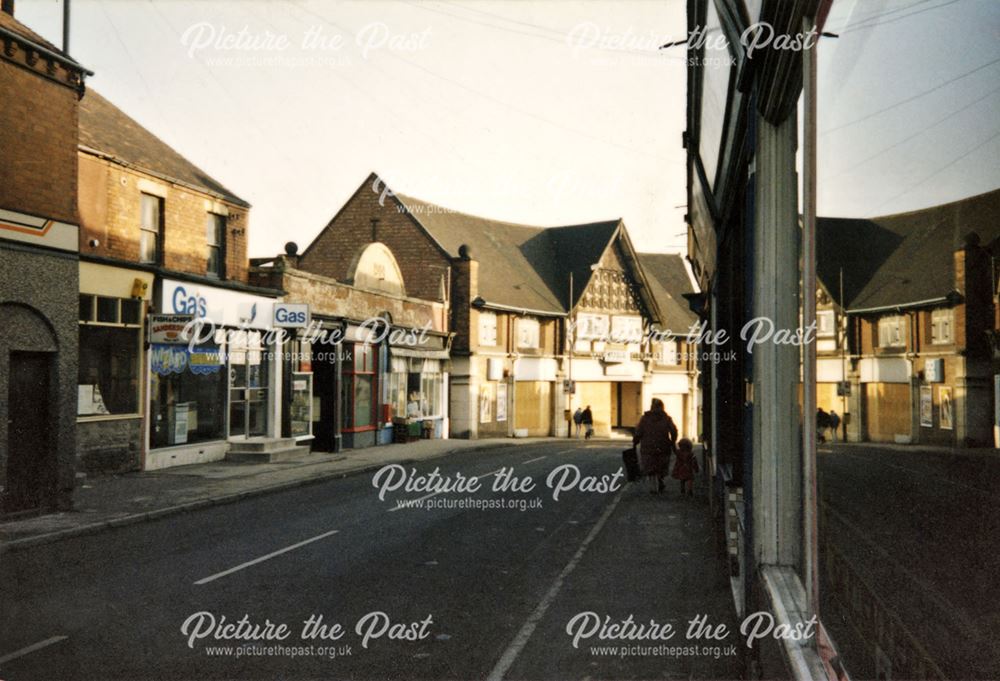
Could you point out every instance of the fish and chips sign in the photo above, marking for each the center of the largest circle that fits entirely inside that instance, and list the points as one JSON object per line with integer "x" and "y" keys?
{"x": 168, "y": 329}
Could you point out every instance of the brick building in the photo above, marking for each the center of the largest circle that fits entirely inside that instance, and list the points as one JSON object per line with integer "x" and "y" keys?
{"x": 370, "y": 368}
{"x": 161, "y": 243}
{"x": 516, "y": 324}
{"x": 920, "y": 316}
{"x": 41, "y": 88}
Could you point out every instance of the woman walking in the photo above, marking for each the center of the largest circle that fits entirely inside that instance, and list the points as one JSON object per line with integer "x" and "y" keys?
{"x": 655, "y": 435}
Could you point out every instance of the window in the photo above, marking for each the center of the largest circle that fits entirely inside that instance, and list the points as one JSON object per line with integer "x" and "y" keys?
{"x": 669, "y": 352}
{"x": 188, "y": 393}
{"x": 108, "y": 366}
{"x": 891, "y": 332}
{"x": 825, "y": 324}
{"x": 487, "y": 328}
{"x": 151, "y": 229}
{"x": 942, "y": 322}
{"x": 527, "y": 333}
{"x": 358, "y": 388}
{"x": 215, "y": 240}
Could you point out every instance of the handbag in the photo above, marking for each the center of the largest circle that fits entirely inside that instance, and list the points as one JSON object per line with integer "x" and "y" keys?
{"x": 631, "y": 459}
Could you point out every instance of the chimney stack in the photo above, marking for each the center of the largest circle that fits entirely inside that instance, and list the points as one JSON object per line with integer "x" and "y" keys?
{"x": 7, "y": 6}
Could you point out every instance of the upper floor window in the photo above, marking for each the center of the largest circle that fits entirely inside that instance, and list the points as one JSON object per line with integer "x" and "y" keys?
{"x": 151, "y": 229}
{"x": 487, "y": 328}
{"x": 527, "y": 333}
{"x": 825, "y": 324}
{"x": 215, "y": 239}
{"x": 892, "y": 332}
{"x": 942, "y": 323}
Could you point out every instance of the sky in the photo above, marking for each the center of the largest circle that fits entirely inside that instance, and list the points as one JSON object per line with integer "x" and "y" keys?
{"x": 543, "y": 113}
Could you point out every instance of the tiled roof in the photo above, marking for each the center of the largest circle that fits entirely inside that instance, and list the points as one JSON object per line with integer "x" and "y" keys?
{"x": 519, "y": 265}
{"x": 904, "y": 258}
{"x": 107, "y": 129}
{"x": 668, "y": 278}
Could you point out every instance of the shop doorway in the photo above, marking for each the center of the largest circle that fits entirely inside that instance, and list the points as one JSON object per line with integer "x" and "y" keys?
{"x": 626, "y": 404}
{"x": 248, "y": 388}
{"x": 30, "y": 459}
{"x": 325, "y": 382}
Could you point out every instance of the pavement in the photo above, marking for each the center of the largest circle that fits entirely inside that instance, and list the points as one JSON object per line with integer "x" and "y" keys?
{"x": 510, "y": 581}
{"x": 102, "y": 502}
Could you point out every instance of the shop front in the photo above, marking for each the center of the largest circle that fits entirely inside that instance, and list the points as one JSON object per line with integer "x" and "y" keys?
{"x": 110, "y": 385}
{"x": 417, "y": 387}
{"x": 217, "y": 387}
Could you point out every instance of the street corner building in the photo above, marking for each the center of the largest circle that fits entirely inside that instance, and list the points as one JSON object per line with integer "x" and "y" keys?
{"x": 41, "y": 88}
{"x": 534, "y": 322}
{"x": 907, "y": 334}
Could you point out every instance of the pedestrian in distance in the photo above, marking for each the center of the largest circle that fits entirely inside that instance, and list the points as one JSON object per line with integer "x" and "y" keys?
{"x": 587, "y": 419}
{"x": 578, "y": 420}
{"x": 685, "y": 466}
{"x": 656, "y": 436}
{"x": 834, "y": 425}
{"x": 822, "y": 423}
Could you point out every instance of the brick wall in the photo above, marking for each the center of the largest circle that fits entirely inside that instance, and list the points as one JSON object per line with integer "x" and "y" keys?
{"x": 112, "y": 446}
{"x": 339, "y": 244}
{"x": 38, "y": 135}
{"x": 110, "y": 205}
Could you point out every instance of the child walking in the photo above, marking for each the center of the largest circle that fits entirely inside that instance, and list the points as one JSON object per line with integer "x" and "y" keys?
{"x": 686, "y": 466}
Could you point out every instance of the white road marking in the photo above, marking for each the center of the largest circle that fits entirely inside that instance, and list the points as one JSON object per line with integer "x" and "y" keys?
{"x": 509, "y": 656}
{"x": 537, "y": 458}
{"x": 269, "y": 556}
{"x": 410, "y": 502}
{"x": 32, "y": 648}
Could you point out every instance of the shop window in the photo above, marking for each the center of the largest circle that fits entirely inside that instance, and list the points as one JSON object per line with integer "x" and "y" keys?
{"x": 215, "y": 239}
{"x": 188, "y": 393}
{"x": 109, "y": 355}
{"x": 527, "y": 333}
{"x": 358, "y": 388}
{"x": 892, "y": 332}
{"x": 487, "y": 328}
{"x": 942, "y": 322}
{"x": 151, "y": 229}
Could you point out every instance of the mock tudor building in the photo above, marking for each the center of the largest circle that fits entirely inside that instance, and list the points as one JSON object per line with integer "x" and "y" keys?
{"x": 919, "y": 290}
{"x": 39, "y": 224}
{"x": 543, "y": 320}
{"x": 162, "y": 243}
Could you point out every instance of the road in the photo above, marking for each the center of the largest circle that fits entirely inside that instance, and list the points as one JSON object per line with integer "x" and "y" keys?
{"x": 910, "y": 541}
{"x": 481, "y": 592}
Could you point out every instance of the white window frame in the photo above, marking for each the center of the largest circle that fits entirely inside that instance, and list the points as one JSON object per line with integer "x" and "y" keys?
{"x": 528, "y": 333}
{"x": 826, "y": 323}
{"x": 892, "y": 332}
{"x": 943, "y": 326}
{"x": 488, "y": 328}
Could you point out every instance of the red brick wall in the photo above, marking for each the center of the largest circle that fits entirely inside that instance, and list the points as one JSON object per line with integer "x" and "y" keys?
{"x": 338, "y": 245}
{"x": 38, "y": 136}
{"x": 110, "y": 206}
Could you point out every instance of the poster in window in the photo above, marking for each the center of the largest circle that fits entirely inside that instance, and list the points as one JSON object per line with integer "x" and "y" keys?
{"x": 926, "y": 407}
{"x": 486, "y": 403}
{"x": 501, "y": 402}
{"x": 945, "y": 409}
